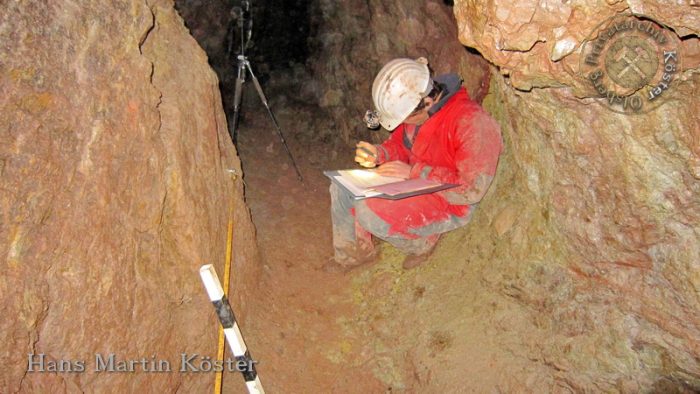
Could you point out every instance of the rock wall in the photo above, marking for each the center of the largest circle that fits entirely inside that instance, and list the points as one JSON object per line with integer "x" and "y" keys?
{"x": 599, "y": 206}
{"x": 115, "y": 188}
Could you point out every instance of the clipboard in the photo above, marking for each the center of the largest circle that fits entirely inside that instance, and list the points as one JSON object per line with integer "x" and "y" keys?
{"x": 395, "y": 189}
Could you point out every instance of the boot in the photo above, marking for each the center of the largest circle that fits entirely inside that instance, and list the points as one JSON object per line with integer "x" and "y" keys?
{"x": 350, "y": 263}
{"x": 415, "y": 260}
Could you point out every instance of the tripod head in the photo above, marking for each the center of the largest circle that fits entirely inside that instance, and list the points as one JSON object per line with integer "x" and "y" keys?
{"x": 244, "y": 23}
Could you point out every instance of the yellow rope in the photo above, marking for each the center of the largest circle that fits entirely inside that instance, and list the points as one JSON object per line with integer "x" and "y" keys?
{"x": 227, "y": 276}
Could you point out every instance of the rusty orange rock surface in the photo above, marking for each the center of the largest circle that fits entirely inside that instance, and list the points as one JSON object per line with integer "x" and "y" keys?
{"x": 616, "y": 190}
{"x": 115, "y": 188}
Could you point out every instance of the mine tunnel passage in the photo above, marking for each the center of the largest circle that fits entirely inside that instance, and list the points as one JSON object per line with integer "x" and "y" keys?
{"x": 578, "y": 271}
{"x": 298, "y": 304}
{"x": 299, "y": 50}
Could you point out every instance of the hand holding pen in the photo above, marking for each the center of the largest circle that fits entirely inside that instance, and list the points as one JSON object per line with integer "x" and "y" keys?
{"x": 366, "y": 154}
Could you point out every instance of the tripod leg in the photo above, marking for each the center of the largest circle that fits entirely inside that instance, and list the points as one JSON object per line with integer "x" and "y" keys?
{"x": 237, "y": 96}
{"x": 274, "y": 119}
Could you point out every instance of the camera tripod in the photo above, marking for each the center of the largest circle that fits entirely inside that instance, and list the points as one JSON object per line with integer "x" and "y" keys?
{"x": 243, "y": 65}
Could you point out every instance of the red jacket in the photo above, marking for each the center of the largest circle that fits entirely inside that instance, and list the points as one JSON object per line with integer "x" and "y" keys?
{"x": 460, "y": 144}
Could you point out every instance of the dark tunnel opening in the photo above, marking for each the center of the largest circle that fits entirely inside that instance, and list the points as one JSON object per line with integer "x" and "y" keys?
{"x": 320, "y": 58}
{"x": 274, "y": 37}
{"x": 279, "y": 31}
{"x": 280, "y": 35}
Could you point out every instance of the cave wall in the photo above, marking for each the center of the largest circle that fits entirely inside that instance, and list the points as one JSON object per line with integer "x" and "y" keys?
{"x": 611, "y": 197}
{"x": 115, "y": 187}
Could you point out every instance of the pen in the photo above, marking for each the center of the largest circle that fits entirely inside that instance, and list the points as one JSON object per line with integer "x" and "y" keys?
{"x": 368, "y": 152}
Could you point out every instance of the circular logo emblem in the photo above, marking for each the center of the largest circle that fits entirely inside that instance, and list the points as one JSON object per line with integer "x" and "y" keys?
{"x": 629, "y": 63}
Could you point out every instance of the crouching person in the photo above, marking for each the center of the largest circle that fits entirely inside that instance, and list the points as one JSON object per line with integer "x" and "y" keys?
{"x": 439, "y": 134}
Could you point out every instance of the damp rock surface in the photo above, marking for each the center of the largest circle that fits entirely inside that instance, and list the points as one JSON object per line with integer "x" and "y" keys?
{"x": 116, "y": 186}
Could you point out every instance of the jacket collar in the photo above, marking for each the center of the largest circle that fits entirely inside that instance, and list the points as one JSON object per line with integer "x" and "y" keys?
{"x": 452, "y": 83}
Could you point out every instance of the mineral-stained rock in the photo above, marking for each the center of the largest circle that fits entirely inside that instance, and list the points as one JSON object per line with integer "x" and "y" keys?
{"x": 114, "y": 189}
{"x": 618, "y": 192}
{"x": 535, "y": 43}
{"x": 579, "y": 271}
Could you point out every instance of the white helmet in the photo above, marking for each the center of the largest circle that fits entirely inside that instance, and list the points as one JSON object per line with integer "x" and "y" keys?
{"x": 398, "y": 89}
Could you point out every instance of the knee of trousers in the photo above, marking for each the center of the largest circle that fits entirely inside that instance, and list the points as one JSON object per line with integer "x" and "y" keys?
{"x": 370, "y": 221}
{"x": 340, "y": 198}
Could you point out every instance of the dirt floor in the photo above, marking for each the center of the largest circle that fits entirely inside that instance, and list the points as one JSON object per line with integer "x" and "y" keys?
{"x": 441, "y": 328}
{"x": 299, "y": 338}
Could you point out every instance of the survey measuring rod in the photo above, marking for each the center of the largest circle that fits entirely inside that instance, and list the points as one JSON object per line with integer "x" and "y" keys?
{"x": 231, "y": 330}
